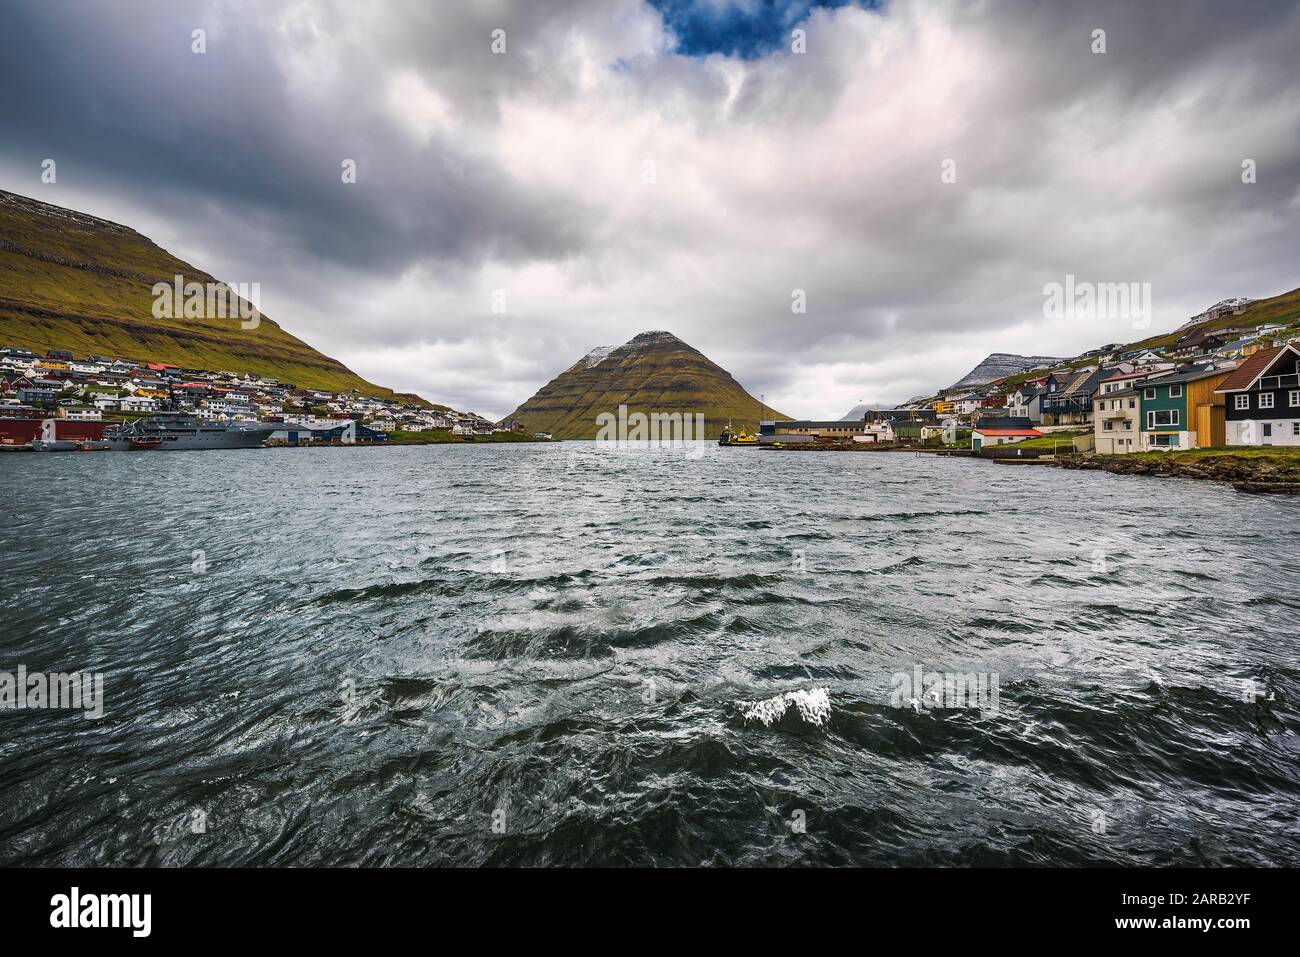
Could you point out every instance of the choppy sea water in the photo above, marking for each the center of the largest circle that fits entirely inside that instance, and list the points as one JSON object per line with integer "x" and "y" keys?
{"x": 558, "y": 654}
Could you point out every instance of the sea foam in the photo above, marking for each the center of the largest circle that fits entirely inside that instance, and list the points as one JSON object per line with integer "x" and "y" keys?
{"x": 813, "y": 705}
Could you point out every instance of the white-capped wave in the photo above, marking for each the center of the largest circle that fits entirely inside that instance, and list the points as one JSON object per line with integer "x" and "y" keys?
{"x": 813, "y": 705}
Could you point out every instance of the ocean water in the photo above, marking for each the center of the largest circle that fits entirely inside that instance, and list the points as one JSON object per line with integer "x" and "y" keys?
{"x": 561, "y": 654}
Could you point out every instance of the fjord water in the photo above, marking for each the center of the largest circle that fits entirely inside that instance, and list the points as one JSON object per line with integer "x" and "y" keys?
{"x": 392, "y": 650}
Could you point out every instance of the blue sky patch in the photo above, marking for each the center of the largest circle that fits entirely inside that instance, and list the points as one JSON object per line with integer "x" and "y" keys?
{"x": 744, "y": 28}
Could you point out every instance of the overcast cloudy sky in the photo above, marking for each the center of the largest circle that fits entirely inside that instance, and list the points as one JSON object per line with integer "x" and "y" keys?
{"x": 769, "y": 171}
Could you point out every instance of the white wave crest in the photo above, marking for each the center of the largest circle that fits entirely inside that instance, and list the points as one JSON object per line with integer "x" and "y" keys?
{"x": 814, "y": 706}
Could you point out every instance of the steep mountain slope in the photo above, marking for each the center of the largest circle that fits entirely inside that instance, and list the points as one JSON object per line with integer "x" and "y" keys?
{"x": 999, "y": 365}
{"x": 654, "y": 372}
{"x": 77, "y": 282}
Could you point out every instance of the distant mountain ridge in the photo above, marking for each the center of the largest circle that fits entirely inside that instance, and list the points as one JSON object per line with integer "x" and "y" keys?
{"x": 999, "y": 365}
{"x": 69, "y": 280}
{"x": 858, "y": 411}
{"x": 652, "y": 372}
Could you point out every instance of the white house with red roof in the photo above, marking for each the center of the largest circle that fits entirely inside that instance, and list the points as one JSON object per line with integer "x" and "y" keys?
{"x": 985, "y": 437}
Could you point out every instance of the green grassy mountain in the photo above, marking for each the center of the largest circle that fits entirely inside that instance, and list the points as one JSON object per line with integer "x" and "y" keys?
{"x": 654, "y": 372}
{"x": 76, "y": 282}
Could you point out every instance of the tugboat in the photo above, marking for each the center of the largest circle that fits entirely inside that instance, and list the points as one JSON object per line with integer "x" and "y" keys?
{"x": 731, "y": 436}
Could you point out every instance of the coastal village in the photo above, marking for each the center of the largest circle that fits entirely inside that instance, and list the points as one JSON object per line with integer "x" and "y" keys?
{"x": 1219, "y": 382}
{"x": 1214, "y": 386}
{"x": 84, "y": 398}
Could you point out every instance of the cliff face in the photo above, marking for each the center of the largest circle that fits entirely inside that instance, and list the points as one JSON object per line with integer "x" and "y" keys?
{"x": 654, "y": 372}
{"x": 73, "y": 281}
{"x": 1001, "y": 364}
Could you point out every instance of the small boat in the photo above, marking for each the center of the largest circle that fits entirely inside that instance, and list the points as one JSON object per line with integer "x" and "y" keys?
{"x": 731, "y": 436}
{"x": 145, "y": 444}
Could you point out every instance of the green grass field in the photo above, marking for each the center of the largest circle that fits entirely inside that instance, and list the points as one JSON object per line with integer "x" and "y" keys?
{"x": 1282, "y": 455}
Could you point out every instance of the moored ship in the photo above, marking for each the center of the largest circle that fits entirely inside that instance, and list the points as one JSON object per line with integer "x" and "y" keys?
{"x": 731, "y": 436}
{"x": 180, "y": 432}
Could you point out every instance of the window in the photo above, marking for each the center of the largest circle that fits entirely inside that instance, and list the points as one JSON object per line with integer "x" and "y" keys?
{"x": 1266, "y": 400}
{"x": 1295, "y": 398}
{"x": 1175, "y": 391}
{"x": 1295, "y": 428}
{"x": 1162, "y": 417}
{"x": 1108, "y": 425}
{"x": 1132, "y": 403}
{"x": 1128, "y": 426}
{"x": 1242, "y": 401}
{"x": 1150, "y": 394}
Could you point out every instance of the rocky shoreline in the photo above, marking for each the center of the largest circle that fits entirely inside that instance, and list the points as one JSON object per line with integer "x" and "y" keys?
{"x": 1246, "y": 473}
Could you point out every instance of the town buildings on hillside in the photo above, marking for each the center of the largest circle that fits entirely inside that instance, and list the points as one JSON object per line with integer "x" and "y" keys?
{"x": 61, "y": 385}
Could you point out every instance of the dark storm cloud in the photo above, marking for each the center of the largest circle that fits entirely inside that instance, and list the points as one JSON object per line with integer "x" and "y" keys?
{"x": 526, "y": 172}
{"x": 115, "y": 93}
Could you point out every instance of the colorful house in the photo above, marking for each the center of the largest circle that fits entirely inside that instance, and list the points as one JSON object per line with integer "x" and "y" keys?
{"x": 1263, "y": 398}
{"x": 1183, "y": 411}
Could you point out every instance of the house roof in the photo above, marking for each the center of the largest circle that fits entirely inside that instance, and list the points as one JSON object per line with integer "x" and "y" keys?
{"x": 1120, "y": 393}
{"x": 1013, "y": 422}
{"x": 1192, "y": 376}
{"x": 1007, "y": 431}
{"x": 1255, "y": 366}
{"x": 1125, "y": 375}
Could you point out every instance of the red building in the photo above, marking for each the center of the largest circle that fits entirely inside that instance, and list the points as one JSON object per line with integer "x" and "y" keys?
{"x": 25, "y": 431}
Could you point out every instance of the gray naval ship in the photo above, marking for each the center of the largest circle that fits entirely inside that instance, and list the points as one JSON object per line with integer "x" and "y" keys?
{"x": 181, "y": 432}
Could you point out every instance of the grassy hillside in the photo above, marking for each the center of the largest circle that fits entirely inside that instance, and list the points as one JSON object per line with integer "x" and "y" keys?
{"x": 72, "y": 281}
{"x": 1284, "y": 309}
{"x": 654, "y": 372}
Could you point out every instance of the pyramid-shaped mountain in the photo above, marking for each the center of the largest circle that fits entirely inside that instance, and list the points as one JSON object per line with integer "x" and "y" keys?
{"x": 654, "y": 372}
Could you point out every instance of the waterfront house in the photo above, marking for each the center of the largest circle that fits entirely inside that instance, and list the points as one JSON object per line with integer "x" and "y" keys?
{"x": 983, "y": 436}
{"x": 1183, "y": 411}
{"x": 1262, "y": 398}
{"x": 347, "y": 432}
{"x": 839, "y": 429}
{"x": 1117, "y": 417}
{"x": 1069, "y": 399}
{"x": 879, "y": 431}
